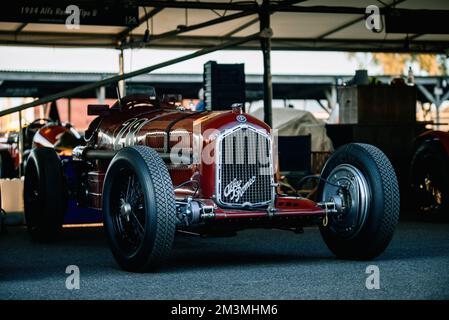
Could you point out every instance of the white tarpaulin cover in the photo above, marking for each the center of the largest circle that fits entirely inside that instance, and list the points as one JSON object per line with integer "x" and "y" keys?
{"x": 292, "y": 122}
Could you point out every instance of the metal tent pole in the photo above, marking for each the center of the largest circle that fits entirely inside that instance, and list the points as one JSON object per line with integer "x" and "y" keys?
{"x": 20, "y": 144}
{"x": 69, "y": 110}
{"x": 265, "y": 43}
{"x": 121, "y": 65}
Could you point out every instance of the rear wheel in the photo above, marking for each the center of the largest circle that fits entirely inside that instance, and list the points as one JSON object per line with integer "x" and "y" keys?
{"x": 362, "y": 178}
{"x": 45, "y": 196}
{"x": 429, "y": 180}
{"x": 139, "y": 209}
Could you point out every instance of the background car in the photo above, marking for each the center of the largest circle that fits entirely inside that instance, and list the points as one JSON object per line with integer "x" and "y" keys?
{"x": 48, "y": 132}
{"x": 429, "y": 176}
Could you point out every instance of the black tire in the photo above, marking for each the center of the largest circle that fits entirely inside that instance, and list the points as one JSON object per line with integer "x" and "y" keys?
{"x": 429, "y": 182}
{"x": 139, "y": 209}
{"x": 6, "y": 165}
{"x": 366, "y": 227}
{"x": 2, "y": 215}
{"x": 45, "y": 195}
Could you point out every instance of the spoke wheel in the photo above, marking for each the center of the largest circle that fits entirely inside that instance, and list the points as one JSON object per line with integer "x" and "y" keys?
{"x": 429, "y": 191}
{"x": 139, "y": 209}
{"x": 128, "y": 211}
{"x": 429, "y": 176}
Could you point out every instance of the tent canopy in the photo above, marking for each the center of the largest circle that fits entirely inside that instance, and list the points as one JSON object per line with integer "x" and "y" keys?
{"x": 297, "y": 25}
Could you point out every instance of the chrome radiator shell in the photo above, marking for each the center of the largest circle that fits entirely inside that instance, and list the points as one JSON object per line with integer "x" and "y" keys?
{"x": 244, "y": 174}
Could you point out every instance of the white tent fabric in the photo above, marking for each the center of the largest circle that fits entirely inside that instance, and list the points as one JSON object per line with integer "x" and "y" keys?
{"x": 292, "y": 122}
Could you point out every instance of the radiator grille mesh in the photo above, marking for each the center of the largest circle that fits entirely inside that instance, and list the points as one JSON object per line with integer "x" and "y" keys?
{"x": 244, "y": 168}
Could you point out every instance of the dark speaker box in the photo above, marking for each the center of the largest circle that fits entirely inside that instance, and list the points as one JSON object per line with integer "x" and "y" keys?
{"x": 224, "y": 85}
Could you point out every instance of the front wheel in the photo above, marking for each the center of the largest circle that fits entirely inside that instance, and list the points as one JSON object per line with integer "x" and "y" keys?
{"x": 363, "y": 180}
{"x": 139, "y": 209}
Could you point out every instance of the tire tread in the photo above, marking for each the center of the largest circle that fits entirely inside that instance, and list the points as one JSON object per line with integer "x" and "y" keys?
{"x": 165, "y": 203}
{"x": 391, "y": 193}
{"x": 375, "y": 236}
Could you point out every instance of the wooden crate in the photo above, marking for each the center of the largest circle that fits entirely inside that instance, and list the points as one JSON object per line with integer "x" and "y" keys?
{"x": 396, "y": 141}
{"x": 379, "y": 104}
{"x": 319, "y": 160}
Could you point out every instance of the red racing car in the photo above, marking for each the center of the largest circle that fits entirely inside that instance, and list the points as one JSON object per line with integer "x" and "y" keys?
{"x": 153, "y": 168}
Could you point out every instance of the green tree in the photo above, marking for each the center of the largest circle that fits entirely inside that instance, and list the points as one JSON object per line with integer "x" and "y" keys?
{"x": 397, "y": 63}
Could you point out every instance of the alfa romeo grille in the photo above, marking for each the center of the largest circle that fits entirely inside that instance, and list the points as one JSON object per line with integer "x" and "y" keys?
{"x": 244, "y": 168}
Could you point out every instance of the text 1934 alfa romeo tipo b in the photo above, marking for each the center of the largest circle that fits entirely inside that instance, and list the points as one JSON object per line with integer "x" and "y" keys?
{"x": 152, "y": 168}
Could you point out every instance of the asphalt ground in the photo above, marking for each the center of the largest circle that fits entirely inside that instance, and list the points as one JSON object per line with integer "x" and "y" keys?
{"x": 256, "y": 264}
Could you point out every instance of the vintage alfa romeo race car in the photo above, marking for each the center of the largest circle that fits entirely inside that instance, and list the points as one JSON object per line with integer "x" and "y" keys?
{"x": 153, "y": 168}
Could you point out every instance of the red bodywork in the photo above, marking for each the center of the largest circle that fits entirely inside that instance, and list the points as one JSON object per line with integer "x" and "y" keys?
{"x": 442, "y": 137}
{"x": 149, "y": 125}
{"x": 51, "y": 135}
{"x": 47, "y": 136}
